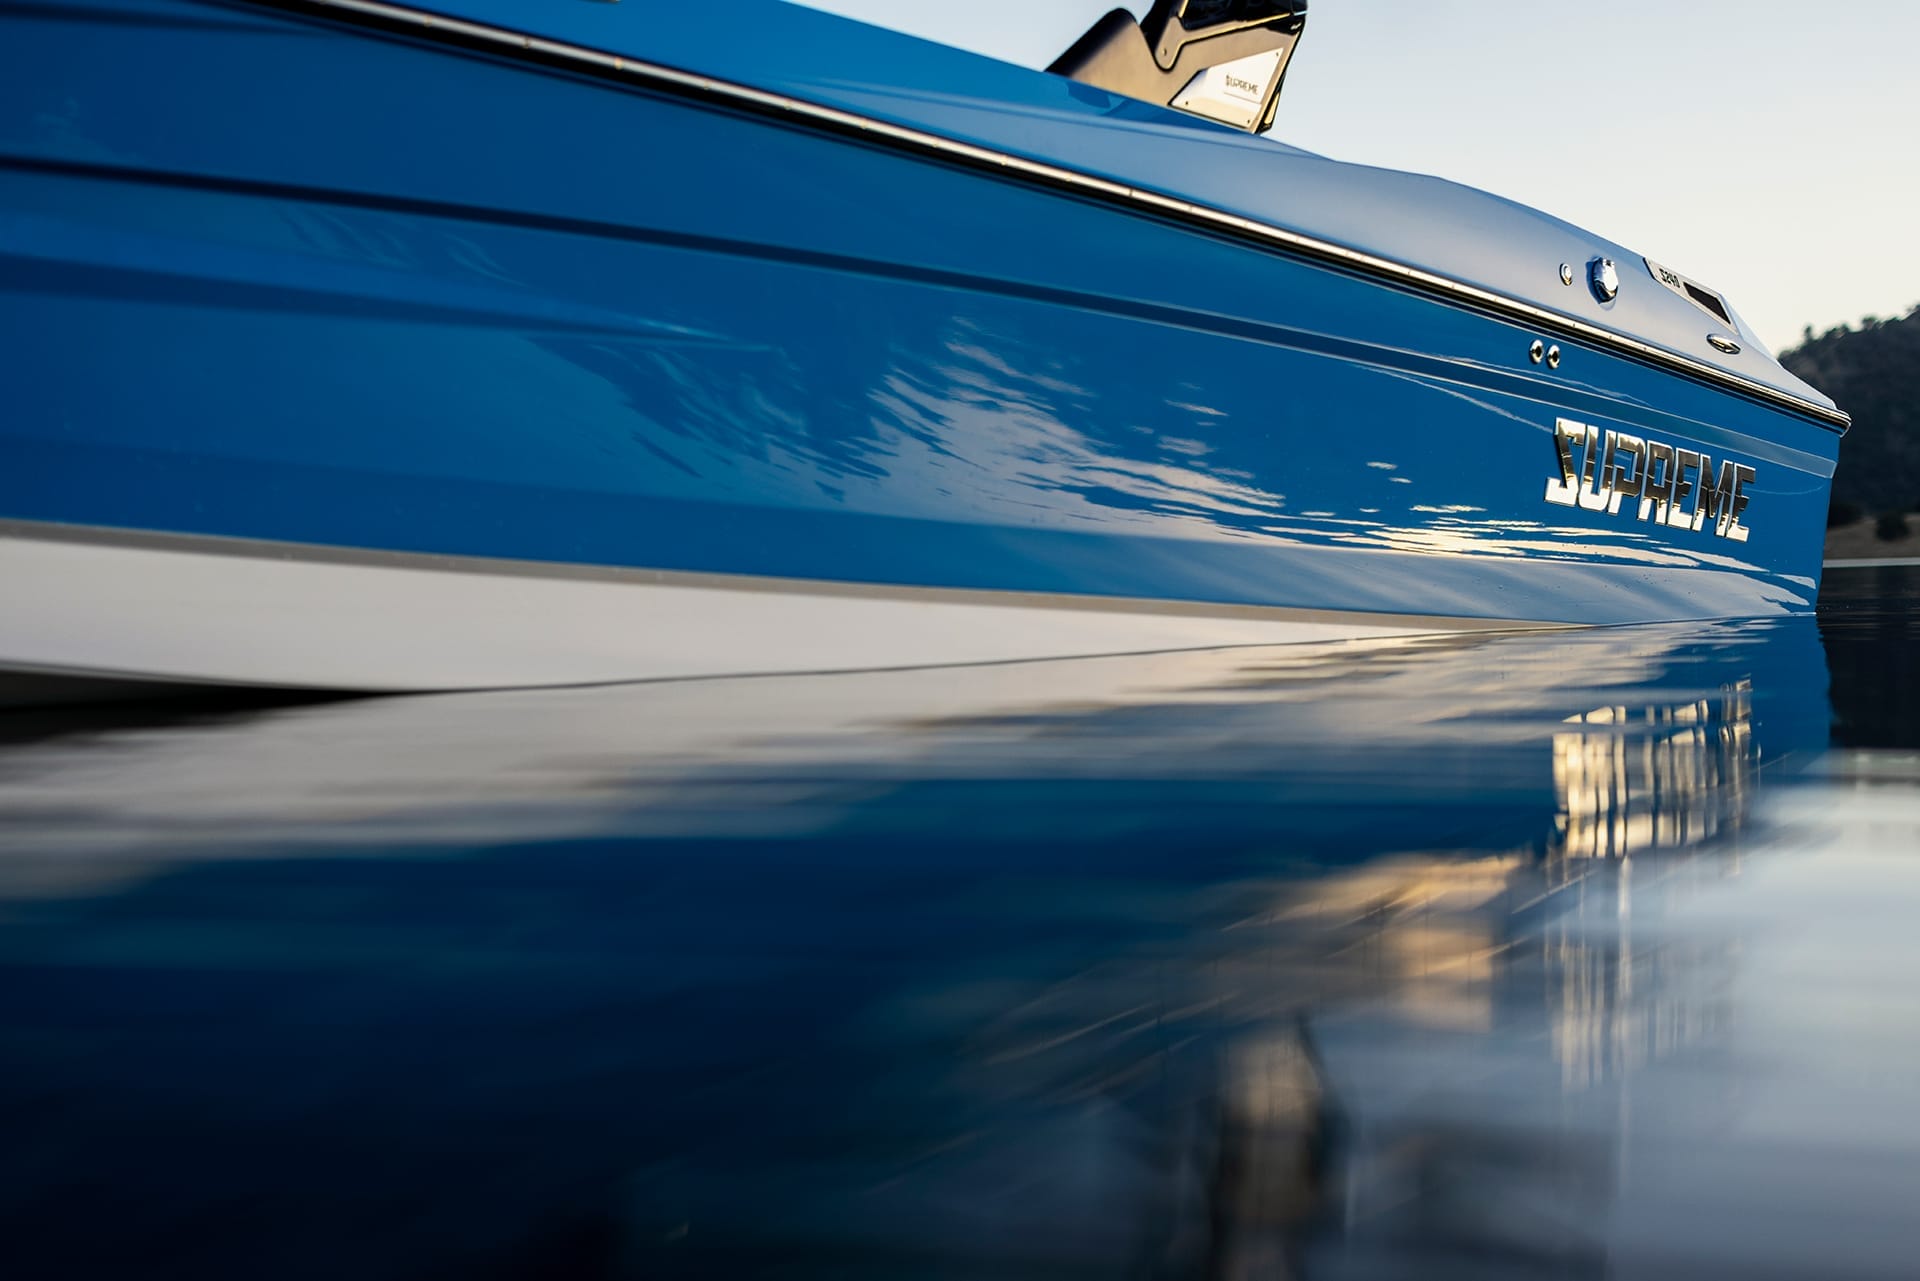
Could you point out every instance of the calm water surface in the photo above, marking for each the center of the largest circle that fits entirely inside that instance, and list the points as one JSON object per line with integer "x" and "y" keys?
{"x": 1578, "y": 954}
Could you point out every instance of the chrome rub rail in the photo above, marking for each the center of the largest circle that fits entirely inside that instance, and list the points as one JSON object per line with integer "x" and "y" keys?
{"x": 1059, "y": 175}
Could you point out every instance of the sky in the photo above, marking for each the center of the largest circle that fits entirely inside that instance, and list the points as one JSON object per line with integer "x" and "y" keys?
{"x": 1766, "y": 148}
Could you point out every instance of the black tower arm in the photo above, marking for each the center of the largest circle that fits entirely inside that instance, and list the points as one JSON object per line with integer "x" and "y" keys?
{"x": 1165, "y": 58}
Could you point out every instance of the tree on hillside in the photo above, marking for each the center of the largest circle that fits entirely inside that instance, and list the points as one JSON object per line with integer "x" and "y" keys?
{"x": 1873, "y": 373}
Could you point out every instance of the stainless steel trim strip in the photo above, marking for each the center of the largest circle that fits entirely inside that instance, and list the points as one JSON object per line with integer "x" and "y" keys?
{"x": 1159, "y": 202}
{"x": 374, "y": 558}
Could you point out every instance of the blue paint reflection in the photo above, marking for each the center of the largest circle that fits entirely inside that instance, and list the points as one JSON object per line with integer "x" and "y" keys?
{"x": 789, "y": 415}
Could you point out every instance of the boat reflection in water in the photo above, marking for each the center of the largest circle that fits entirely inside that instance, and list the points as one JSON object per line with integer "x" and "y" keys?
{"x": 1678, "y": 783}
{"x": 1438, "y": 957}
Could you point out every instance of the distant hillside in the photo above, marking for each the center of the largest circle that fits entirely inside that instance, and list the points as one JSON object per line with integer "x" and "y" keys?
{"x": 1873, "y": 373}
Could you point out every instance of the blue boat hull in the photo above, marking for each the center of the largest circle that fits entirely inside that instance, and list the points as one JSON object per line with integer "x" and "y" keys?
{"x": 281, "y": 288}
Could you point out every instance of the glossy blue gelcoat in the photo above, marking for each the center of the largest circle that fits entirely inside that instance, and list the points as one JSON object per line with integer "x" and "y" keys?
{"x": 268, "y": 275}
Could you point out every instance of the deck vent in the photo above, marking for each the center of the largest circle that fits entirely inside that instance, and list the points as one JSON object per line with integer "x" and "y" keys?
{"x": 1710, "y": 301}
{"x": 1694, "y": 292}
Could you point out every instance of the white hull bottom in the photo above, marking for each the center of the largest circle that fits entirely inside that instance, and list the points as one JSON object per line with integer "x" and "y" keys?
{"x": 91, "y": 611}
